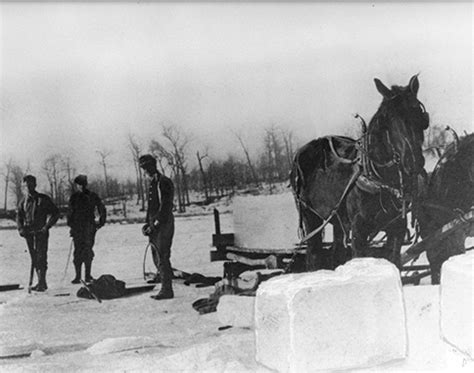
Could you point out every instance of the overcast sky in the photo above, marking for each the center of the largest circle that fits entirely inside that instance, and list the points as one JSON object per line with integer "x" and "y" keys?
{"x": 76, "y": 78}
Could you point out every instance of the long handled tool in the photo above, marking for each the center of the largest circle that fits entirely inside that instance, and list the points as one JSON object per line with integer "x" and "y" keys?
{"x": 33, "y": 264}
{"x": 67, "y": 263}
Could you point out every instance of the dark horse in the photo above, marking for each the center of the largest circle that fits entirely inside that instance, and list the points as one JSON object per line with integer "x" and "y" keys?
{"x": 449, "y": 193}
{"x": 365, "y": 186}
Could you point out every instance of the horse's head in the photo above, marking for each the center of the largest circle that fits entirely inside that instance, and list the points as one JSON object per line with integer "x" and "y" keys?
{"x": 399, "y": 124}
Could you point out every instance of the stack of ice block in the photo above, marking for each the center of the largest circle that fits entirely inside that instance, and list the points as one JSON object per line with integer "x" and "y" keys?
{"x": 347, "y": 318}
{"x": 265, "y": 222}
{"x": 457, "y": 297}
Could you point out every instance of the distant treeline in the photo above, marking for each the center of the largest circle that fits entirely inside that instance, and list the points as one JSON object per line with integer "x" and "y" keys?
{"x": 210, "y": 178}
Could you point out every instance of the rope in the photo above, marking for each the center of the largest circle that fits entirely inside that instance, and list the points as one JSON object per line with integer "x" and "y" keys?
{"x": 144, "y": 260}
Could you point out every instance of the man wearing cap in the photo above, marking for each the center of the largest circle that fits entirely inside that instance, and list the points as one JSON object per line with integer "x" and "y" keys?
{"x": 159, "y": 225}
{"x": 33, "y": 224}
{"x": 81, "y": 218}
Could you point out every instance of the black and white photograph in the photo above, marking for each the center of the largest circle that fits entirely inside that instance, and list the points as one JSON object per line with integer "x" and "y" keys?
{"x": 236, "y": 186}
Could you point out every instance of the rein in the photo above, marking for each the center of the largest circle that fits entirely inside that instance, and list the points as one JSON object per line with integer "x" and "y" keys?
{"x": 326, "y": 221}
{"x": 372, "y": 179}
{"x": 365, "y": 176}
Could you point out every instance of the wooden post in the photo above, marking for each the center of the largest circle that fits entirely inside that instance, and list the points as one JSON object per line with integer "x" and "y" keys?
{"x": 217, "y": 222}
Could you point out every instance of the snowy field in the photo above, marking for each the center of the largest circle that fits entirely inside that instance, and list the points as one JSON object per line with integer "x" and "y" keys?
{"x": 66, "y": 333}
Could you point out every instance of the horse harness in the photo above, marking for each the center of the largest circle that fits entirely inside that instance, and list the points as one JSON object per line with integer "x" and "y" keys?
{"x": 365, "y": 177}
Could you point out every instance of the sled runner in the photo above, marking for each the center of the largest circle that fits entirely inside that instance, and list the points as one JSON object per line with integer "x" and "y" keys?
{"x": 240, "y": 259}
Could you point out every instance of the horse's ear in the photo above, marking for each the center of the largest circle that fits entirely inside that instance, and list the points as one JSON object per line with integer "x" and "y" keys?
{"x": 383, "y": 90}
{"x": 414, "y": 84}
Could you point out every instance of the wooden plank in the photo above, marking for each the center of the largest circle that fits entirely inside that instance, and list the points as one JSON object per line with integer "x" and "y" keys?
{"x": 420, "y": 267}
{"x": 415, "y": 279}
{"x": 138, "y": 289}
{"x": 454, "y": 225}
{"x": 9, "y": 287}
{"x": 268, "y": 251}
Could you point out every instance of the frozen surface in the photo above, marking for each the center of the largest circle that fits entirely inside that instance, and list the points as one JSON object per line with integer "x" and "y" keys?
{"x": 268, "y": 221}
{"x": 51, "y": 333}
{"x": 235, "y": 310}
{"x": 457, "y": 297}
{"x": 341, "y": 319}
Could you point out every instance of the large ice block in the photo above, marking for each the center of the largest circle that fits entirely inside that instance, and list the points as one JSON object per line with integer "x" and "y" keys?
{"x": 265, "y": 222}
{"x": 456, "y": 302}
{"x": 236, "y": 310}
{"x": 347, "y": 318}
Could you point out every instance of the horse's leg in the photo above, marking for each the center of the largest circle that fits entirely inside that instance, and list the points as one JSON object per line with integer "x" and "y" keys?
{"x": 395, "y": 236}
{"x": 341, "y": 253}
{"x": 361, "y": 229}
{"x": 316, "y": 256}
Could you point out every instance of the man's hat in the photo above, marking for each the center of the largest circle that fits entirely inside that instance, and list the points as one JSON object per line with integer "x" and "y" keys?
{"x": 29, "y": 179}
{"x": 146, "y": 160}
{"x": 81, "y": 180}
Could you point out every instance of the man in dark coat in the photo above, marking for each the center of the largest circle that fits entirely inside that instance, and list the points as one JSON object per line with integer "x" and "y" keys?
{"x": 159, "y": 225}
{"x": 81, "y": 218}
{"x": 33, "y": 224}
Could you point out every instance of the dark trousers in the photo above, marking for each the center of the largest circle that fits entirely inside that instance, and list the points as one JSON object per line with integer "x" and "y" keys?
{"x": 38, "y": 248}
{"x": 161, "y": 241}
{"x": 84, "y": 239}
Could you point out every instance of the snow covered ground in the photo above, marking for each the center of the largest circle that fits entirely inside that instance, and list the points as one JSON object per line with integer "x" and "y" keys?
{"x": 56, "y": 331}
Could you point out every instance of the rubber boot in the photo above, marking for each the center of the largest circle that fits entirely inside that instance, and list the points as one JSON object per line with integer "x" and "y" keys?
{"x": 166, "y": 291}
{"x": 163, "y": 294}
{"x": 77, "y": 279}
{"x": 88, "y": 266}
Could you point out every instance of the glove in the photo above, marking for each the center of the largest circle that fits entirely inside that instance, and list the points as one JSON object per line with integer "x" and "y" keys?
{"x": 22, "y": 232}
{"x": 44, "y": 229}
{"x": 98, "y": 226}
{"x": 146, "y": 229}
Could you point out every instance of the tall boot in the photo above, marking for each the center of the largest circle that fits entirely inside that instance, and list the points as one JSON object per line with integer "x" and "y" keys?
{"x": 88, "y": 265}
{"x": 77, "y": 279}
{"x": 166, "y": 291}
{"x": 42, "y": 286}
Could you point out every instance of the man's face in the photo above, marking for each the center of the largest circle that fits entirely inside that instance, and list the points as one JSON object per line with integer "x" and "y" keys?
{"x": 80, "y": 187}
{"x": 28, "y": 187}
{"x": 149, "y": 171}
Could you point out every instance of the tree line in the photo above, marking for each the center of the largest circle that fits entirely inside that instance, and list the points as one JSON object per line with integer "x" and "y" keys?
{"x": 210, "y": 177}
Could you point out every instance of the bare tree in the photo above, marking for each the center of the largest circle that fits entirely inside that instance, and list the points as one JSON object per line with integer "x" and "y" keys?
{"x": 203, "y": 174}
{"x": 247, "y": 156}
{"x": 6, "y": 176}
{"x": 70, "y": 171}
{"x": 104, "y": 154}
{"x": 52, "y": 166}
{"x": 174, "y": 154}
{"x": 16, "y": 179}
{"x": 287, "y": 136}
{"x": 135, "y": 148}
